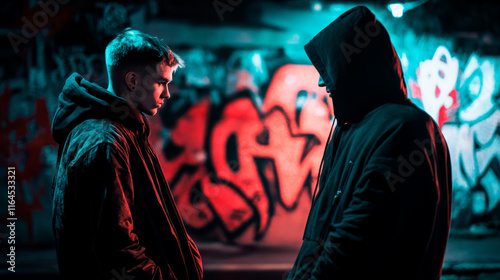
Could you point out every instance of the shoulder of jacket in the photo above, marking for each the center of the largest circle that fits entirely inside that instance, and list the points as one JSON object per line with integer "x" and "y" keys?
{"x": 93, "y": 132}
{"x": 398, "y": 115}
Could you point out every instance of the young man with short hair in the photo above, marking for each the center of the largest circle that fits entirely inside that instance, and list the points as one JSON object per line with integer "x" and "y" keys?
{"x": 114, "y": 216}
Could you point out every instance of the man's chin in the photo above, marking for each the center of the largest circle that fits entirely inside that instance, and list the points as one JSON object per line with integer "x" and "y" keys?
{"x": 150, "y": 112}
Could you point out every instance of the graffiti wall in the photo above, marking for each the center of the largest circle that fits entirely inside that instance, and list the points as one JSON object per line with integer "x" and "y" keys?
{"x": 27, "y": 146}
{"x": 265, "y": 155}
{"x": 241, "y": 140}
{"x": 463, "y": 97}
{"x": 48, "y": 43}
{"x": 474, "y": 141}
{"x": 234, "y": 166}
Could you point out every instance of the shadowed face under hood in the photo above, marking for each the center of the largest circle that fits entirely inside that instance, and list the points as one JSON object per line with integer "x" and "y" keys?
{"x": 81, "y": 100}
{"x": 355, "y": 57}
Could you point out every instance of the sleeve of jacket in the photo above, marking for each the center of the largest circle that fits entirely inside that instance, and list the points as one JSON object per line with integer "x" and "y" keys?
{"x": 117, "y": 248}
{"x": 385, "y": 194}
{"x": 196, "y": 255}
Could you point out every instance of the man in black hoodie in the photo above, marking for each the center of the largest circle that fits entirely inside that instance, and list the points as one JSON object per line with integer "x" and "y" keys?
{"x": 114, "y": 216}
{"x": 382, "y": 208}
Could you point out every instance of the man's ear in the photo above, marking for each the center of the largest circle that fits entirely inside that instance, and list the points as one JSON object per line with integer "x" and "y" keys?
{"x": 131, "y": 81}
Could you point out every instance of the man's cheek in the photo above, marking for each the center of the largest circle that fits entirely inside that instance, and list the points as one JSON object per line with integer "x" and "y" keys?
{"x": 158, "y": 92}
{"x": 149, "y": 83}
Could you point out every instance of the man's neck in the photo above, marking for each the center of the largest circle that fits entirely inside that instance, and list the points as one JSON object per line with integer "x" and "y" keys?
{"x": 120, "y": 93}
{"x": 111, "y": 89}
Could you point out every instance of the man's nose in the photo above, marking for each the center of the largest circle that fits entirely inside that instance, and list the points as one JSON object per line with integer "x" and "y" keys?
{"x": 166, "y": 93}
{"x": 321, "y": 82}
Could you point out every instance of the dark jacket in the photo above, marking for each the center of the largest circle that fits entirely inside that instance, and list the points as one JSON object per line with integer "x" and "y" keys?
{"x": 382, "y": 210}
{"x": 114, "y": 216}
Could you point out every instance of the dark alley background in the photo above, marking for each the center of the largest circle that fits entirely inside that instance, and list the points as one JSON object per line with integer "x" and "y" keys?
{"x": 248, "y": 81}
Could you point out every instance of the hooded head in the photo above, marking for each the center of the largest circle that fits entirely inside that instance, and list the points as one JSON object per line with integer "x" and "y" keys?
{"x": 358, "y": 64}
{"x": 81, "y": 100}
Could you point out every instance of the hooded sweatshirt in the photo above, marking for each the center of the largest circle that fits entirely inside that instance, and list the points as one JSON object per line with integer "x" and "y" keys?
{"x": 113, "y": 213}
{"x": 382, "y": 209}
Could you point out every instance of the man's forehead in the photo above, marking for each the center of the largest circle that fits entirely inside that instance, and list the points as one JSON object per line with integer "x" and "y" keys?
{"x": 160, "y": 71}
{"x": 164, "y": 71}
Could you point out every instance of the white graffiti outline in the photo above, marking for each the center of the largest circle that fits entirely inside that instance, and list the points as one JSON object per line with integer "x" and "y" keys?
{"x": 440, "y": 71}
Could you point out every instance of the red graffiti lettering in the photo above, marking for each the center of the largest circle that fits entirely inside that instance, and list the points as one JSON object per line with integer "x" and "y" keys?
{"x": 233, "y": 164}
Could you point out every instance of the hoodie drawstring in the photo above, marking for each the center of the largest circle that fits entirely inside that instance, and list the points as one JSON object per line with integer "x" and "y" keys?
{"x": 322, "y": 161}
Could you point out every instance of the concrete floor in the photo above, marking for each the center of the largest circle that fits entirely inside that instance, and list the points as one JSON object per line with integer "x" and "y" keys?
{"x": 466, "y": 259}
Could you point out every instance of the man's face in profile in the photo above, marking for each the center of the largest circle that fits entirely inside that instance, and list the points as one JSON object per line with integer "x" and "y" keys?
{"x": 154, "y": 83}
{"x": 321, "y": 83}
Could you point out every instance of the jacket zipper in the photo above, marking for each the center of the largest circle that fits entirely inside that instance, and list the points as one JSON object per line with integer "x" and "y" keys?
{"x": 335, "y": 200}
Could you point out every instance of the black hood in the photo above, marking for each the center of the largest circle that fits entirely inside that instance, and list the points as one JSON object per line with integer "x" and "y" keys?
{"x": 81, "y": 100}
{"x": 355, "y": 57}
